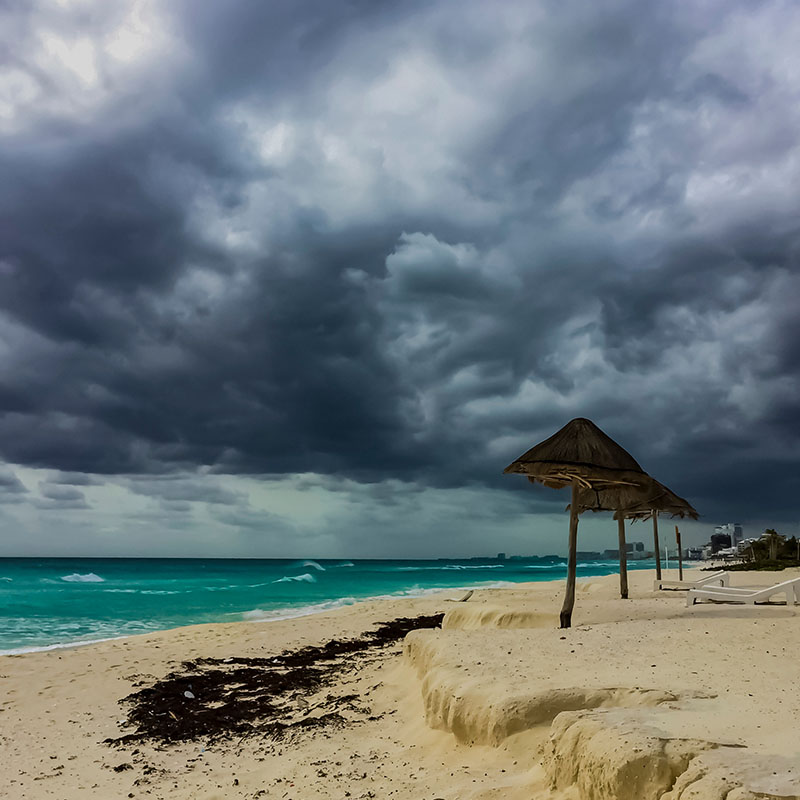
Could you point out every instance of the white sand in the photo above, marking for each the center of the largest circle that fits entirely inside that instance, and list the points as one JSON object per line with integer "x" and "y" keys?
{"x": 643, "y": 698}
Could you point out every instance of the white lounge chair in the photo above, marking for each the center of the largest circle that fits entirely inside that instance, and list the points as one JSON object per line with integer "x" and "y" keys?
{"x": 727, "y": 594}
{"x": 708, "y": 579}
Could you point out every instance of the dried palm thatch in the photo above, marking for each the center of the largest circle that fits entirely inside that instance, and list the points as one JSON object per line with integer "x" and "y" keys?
{"x": 636, "y": 502}
{"x": 580, "y": 452}
{"x": 580, "y": 455}
{"x": 665, "y": 501}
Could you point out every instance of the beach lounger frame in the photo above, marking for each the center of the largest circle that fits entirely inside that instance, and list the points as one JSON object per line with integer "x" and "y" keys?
{"x": 712, "y": 577}
{"x": 727, "y": 594}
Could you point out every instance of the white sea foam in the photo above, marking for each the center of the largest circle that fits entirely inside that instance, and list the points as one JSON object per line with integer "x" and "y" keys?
{"x": 345, "y": 564}
{"x": 121, "y": 591}
{"x": 313, "y": 565}
{"x": 305, "y": 577}
{"x": 451, "y": 566}
{"x": 261, "y": 615}
{"x": 160, "y": 591}
{"x": 416, "y": 591}
{"x": 18, "y": 651}
{"x": 545, "y": 566}
{"x": 6, "y": 579}
{"x": 77, "y": 578}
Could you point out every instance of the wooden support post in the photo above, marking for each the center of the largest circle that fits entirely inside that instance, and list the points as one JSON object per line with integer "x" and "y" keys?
{"x": 623, "y": 558}
{"x": 680, "y": 553}
{"x": 572, "y": 560}
{"x": 655, "y": 545}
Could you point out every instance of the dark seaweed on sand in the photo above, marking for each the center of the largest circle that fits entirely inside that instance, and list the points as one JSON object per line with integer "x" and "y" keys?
{"x": 214, "y": 698}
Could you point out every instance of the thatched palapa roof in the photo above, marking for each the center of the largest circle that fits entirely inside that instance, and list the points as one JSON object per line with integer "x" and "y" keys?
{"x": 580, "y": 451}
{"x": 636, "y": 502}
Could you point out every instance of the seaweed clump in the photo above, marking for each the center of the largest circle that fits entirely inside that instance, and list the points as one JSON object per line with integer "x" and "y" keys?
{"x": 215, "y": 699}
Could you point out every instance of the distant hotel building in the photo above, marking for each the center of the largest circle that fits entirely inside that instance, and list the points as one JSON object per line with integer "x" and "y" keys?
{"x": 633, "y": 550}
{"x": 732, "y": 529}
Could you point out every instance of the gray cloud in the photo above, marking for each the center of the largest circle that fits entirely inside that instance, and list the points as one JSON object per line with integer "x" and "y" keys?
{"x": 180, "y": 491}
{"x": 256, "y": 520}
{"x": 395, "y": 245}
{"x": 56, "y": 496}
{"x": 12, "y": 488}
{"x": 75, "y": 479}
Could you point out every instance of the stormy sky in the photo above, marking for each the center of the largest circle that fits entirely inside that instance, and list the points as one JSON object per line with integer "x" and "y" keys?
{"x": 300, "y": 278}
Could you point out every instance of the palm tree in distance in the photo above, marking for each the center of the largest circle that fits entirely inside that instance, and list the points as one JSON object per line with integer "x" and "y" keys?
{"x": 774, "y": 540}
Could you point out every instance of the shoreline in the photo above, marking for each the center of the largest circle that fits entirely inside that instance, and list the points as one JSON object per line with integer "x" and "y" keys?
{"x": 296, "y": 612}
{"x": 305, "y": 609}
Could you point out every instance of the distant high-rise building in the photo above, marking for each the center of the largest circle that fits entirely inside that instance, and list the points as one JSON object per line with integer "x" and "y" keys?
{"x": 633, "y": 550}
{"x": 734, "y": 530}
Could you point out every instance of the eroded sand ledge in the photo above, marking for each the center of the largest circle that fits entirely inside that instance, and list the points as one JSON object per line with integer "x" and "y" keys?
{"x": 657, "y": 706}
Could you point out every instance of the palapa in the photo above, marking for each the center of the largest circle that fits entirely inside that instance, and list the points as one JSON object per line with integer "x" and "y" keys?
{"x": 580, "y": 452}
{"x": 661, "y": 501}
{"x": 636, "y": 502}
{"x": 579, "y": 455}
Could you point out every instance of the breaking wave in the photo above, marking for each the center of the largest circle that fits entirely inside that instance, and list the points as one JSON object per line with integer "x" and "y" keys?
{"x": 262, "y": 615}
{"x": 90, "y": 577}
{"x": 451, "y": 566}
{"x": 305, "y": 577}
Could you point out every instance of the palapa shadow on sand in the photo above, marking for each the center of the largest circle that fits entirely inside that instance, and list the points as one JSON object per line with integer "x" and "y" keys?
{"x": 217, "y": 699}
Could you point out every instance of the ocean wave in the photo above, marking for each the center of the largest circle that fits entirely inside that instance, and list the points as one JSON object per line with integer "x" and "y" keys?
{"x": 305, "y": 577}
{"x": 18, "y": 651}
{"x": 313, "y": 565}
{"x": 160, "y": 591}
{"x": 451, "y": 566}
{"x": 415, "y": 569}
{"x": 546, "y": 566}
{"x": 6, "y": 579}
{"x": 344, "y": 564}
{"x": 261, "y": 615}
{"x": 416, "y": 591}
{"x": 121, "y": 591}
{"x": 90, "y": 577}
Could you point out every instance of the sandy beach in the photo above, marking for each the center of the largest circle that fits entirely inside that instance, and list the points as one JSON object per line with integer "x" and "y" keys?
{"x": 644, "y": 698}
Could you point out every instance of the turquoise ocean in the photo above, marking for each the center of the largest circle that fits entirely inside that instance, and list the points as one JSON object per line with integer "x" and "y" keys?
{"x": 48, "y": 603}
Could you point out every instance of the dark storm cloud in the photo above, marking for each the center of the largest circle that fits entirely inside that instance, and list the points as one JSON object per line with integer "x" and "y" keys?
{"x": 386, "y": 241}
{"x": 11, "y": 487}
{"x": 55, "y": 496}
